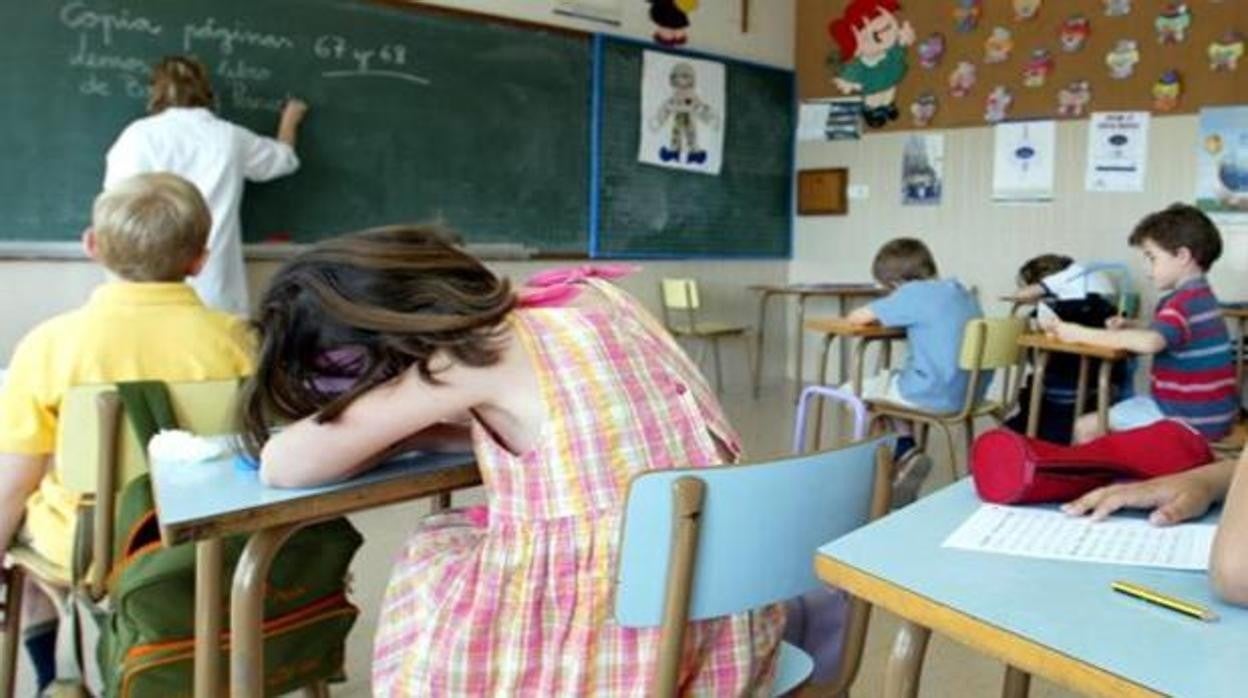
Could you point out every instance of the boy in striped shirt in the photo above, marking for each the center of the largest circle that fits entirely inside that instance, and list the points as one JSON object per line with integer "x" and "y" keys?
{"x": 1193, "y": 373}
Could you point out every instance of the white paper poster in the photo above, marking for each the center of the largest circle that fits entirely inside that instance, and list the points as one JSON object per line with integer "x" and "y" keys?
{"x": 1222, "y": 164}
{"x": 1117, "y": 151}
{"x": 605, "y": 11}
{"x": 922, "y": 170}
{"x": 830, "y": 120}
{"x": 1022, "y": 168}
{"x": 682, "y": 112}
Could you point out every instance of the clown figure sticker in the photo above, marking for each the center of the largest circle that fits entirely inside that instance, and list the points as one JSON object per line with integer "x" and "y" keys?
{"x": 682, "y": 112}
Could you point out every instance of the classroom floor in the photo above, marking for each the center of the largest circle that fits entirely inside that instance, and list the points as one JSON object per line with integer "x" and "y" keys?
{"x": 951, "y": 670}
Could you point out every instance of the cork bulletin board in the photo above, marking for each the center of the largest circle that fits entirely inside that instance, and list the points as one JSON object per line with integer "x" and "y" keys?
{"x": 1210, "y": 22}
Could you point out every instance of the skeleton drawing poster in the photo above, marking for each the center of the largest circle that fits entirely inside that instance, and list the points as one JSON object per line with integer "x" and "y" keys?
{"x": 682, "y": 112}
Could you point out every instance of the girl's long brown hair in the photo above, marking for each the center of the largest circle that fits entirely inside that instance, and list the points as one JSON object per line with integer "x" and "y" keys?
{"x": 358, "y": 310}
{"x": 179, "y": 81}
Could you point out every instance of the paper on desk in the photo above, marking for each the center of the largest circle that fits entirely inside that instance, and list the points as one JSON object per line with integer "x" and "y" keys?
{"x": 1031, "y": 532}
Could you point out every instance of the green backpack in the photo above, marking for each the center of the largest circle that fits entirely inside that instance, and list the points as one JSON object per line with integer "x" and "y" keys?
{"x": 147, "y": 641}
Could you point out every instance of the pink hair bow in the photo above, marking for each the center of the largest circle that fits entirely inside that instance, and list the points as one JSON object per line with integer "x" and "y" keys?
{"x": 555, "y": 287}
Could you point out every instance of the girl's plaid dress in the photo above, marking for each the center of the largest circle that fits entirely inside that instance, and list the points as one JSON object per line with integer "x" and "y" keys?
{"x": 518, "y": 602}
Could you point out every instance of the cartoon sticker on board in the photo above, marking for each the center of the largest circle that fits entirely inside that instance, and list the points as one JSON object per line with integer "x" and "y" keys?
{"x": 1167, "y": 91}
{"x": 998, "y": 46}
{"x": 1074, "y": 33}
{"x": 1224, "y": 54}
{"x": 966, "y": 15}
{"x": 931, "y": 50}
{"x": 1122, "y": 59}
{"x": 923, "y": 109}
{"x": 1026, "y": 9}
{"x": 682, "y": 101}
{"x": 1173, "y": 22}
{"x": 1038, "y": 68}
{"x": 1117, "y": 8}
{"x": 998, "y": 104}
{"x": 1073, "y": 99}
{"x": 671, "y": 19}
{"x": 872, "y": 41}
{"x": 962, "y": 79}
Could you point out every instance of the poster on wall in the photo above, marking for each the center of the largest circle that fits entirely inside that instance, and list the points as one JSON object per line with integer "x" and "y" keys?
{"x": 1222, "y": 164}
{"x": 830, "y": 120}
{"x": 682, "y": 112}
{"x": 1022, "y": 163}
{"x": 922, "y": 170}
{"x": 1117, "y": 151}
{"x": 604, "y": 11}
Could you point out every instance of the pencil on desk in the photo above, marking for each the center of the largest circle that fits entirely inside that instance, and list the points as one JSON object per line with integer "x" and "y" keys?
{"x": 1152, "y": 596}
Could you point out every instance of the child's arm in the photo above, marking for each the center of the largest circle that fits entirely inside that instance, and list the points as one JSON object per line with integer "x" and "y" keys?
{"x": 309, "y": 453}
{"x": 1031, "y": 292}
{"x": 1228, "y": 565}
{"x": 1138, "y": 341}
{"x": 20, "y": 474}
{"x": 863, "y": 316}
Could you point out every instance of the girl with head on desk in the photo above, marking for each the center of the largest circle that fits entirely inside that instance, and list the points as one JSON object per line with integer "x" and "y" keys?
{"x": 569, "y": 388}
{"x": 1188, "y": 495}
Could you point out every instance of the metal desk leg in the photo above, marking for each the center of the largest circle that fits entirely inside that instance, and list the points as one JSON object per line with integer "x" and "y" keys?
{"x": 843, "y": 359}
{"x": 247, "y": 610}
{"x": 801, "y": 337}
{"x": 208, "y": 618}
{"x": 1037, "y": 392}
{"x": 1102, "y": 395}
{"x": 1017, "y": 683}
{"x": 1081, "y": 393}
{"x": 905, "y": 662}
{"x": 758, "y": 341}
{"x": 823, "y": 380}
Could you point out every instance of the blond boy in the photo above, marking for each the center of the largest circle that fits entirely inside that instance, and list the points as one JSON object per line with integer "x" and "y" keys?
{"x": 144, "y": 323}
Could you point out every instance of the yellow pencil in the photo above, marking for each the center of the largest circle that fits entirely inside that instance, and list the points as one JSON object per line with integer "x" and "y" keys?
{"x": 1152, "y": 596}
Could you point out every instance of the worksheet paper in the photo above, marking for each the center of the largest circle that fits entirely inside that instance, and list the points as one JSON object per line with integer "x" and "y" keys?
{"x": 1045, "y": 533}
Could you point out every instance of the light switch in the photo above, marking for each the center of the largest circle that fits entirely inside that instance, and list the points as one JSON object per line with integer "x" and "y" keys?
{"x": 859, "y": 191}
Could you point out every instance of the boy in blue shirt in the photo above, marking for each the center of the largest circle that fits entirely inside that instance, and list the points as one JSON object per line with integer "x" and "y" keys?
{"x": 934, "y": 313}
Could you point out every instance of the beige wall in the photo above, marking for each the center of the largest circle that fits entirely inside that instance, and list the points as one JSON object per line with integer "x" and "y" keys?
{"x": 983, "y": 243}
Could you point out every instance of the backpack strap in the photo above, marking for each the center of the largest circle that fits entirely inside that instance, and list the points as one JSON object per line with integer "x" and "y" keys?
{"x": 148, "y": 408}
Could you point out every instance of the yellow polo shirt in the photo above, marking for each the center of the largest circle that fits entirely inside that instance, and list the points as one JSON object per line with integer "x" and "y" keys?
{"x": 126, "y": 331}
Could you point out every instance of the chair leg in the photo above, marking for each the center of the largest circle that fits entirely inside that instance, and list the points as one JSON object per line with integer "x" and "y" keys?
{"x": 719, "y": 369}
{"x": 320, "y": 689}
{"x": 12, "y": 630}
{"x": 749, "y": 359}
{"x": 953, "y": 451}
{"x": 970, "y": 441}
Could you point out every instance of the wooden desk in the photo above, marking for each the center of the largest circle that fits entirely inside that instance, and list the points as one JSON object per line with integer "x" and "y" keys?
{"x": 1051, "y": 618}
{"x": 202, "y": 502}
{"x": 1239, "y": 313}
{"x": 1043, "y": 345}
{"x": 833, "y": 327}
{"x": 842, "y": 292}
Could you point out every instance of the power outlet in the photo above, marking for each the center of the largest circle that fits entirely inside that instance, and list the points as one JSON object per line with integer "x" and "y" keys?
{"x": 859, "y": 191}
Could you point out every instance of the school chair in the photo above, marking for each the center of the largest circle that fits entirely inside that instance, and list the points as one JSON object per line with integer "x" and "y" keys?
{"x": 703, "y": 543}
{"x": 681, "y": 303}
{"x": 989, "y": 345}
{"x": 98, "y": 453}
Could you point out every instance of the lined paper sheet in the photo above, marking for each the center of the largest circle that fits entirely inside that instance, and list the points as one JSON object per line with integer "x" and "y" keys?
{"x": 1051, "y": 534}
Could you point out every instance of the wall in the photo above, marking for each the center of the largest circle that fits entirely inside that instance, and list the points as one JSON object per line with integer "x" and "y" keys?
{"x": 984, "y": 243}
{"x": 34, "y": 290}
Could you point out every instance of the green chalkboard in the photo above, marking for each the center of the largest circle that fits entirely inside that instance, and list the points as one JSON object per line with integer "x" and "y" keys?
{"x": 414, "y": 115}
{"x": 650, "y": 211}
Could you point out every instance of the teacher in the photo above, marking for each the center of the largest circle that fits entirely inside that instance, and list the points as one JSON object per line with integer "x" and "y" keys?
{"x": 182, "y": 135}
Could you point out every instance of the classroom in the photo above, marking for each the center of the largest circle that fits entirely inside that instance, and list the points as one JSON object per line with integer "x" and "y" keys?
{"x": 945, "y": 282}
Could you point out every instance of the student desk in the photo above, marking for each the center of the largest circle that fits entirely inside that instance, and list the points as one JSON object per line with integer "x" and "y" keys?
{"x": 1043, "y": 346}
{"x": 202, "y": 502}
{"x": 1055, "y": 619}
{"x": 1239, "y": 313}
{"x": 833, "y": 327}
{"x": 842, "y": 292}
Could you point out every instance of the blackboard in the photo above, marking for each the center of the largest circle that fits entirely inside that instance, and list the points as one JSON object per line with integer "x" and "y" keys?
{"x": 649, "y": 211}
{"x": 414, "y": 115}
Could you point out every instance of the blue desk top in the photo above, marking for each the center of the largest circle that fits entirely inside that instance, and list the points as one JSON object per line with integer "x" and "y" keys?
{"x": 192, "y": 492}
{"x": 1067, "y": 606}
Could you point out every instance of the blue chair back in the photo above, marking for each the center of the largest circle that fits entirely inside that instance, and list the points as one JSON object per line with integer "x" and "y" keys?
{"x": 759, "y": 528}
